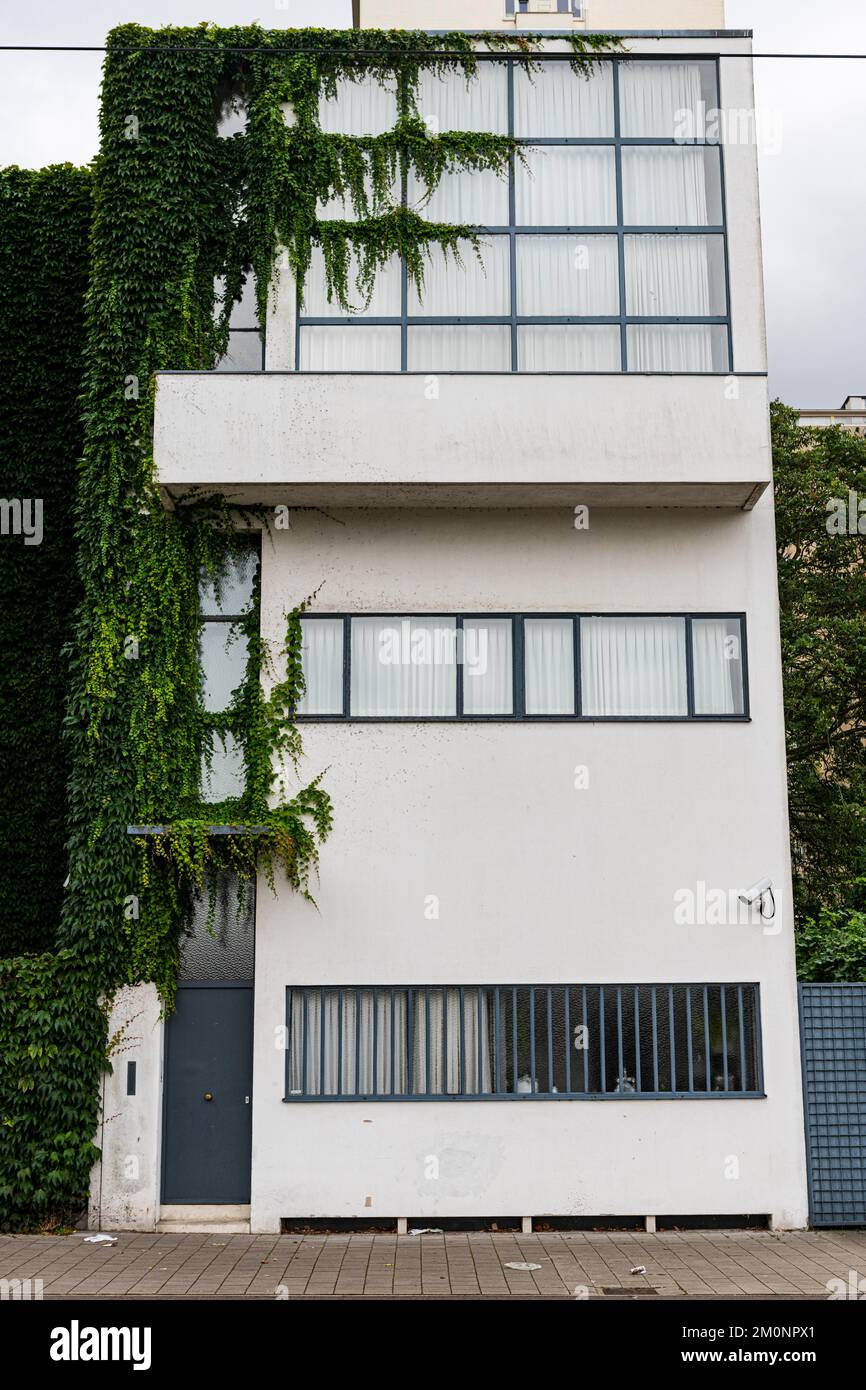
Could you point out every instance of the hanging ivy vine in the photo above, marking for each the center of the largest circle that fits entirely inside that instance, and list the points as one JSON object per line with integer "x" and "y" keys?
{"x": 178, "y": 209}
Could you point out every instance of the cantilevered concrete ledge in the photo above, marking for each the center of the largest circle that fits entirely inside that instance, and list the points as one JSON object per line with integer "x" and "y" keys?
{"x": 509, "y": 440}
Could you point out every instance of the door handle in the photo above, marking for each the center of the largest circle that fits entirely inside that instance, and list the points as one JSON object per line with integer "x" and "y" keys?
{"x": 208, "y": 1095}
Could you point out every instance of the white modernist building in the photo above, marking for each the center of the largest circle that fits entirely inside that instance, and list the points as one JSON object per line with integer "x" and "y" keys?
{"x": 543, "y": 674}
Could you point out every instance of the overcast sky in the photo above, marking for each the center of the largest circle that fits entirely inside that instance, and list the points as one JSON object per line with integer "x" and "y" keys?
{"x": 813, "y": 156}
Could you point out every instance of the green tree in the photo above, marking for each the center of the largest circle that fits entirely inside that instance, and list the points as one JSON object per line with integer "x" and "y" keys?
{"x": 820, "y": 476}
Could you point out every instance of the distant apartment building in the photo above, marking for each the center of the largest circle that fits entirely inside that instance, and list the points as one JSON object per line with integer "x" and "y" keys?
{"x": 851, "y": 415}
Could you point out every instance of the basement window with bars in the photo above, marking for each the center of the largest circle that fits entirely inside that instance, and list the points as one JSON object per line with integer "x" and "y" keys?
{"x": 523, "y": 1042}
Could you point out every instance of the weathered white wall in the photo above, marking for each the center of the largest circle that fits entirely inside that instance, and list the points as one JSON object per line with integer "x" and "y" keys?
{"x": 488, "y": 14}
{"x": 124, "y": 1185}
{"x": 537, "y": 881}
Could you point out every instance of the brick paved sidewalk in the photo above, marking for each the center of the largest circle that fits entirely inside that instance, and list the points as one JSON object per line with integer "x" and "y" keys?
{"x": 740, "y": 1264}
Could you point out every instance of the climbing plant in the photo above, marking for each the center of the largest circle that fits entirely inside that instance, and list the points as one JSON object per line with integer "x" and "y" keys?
{"x": 177, "y": 211}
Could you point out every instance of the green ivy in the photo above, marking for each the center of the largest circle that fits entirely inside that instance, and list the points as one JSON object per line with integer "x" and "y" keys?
{"x": 176, "y": 209}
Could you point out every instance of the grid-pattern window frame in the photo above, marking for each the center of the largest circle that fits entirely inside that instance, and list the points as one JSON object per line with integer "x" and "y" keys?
{"x": 518, "y": 647}
{"x": 513, "y": 320}
{"x": 453, "y": 1042}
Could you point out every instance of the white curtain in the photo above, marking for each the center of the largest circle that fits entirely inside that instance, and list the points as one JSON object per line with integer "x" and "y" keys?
{"x": 666, "y": 185}
{"x": 567, "y": 275}
{"x": 487, "y": 666}
{"x": 361, "y": 348}
{"x": 459, "y": 348}
{"x": 653, "y": 96}
{"x": 555, "y": 101}
{"x": 717, "y": 656}
{"x": 322, "y": 656}
{"x": 385, "y": 300}
{"x": 676, "y": 347}
{"x": 477, "y": 199}
{"x": 549, "y": 657}
{"x": 340, "y": 1028}
{"x": 667, "y": 275}
{"x": 566, "y": 186}
{"x": 450, "y": 102}
{"x": 366, "y": 107}
{"x": 404, "y": 666}
{"x": 436, "y": 1061}
{"x": 565, "y": 347}
{"x": 633, "y": 666}
{"x": 467, "y": 289}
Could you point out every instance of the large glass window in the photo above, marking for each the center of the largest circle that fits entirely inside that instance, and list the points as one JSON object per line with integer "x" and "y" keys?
{"x": 223, "y": 652}
{"x": 532, "y": 666}
{"x": 603, "y": 246}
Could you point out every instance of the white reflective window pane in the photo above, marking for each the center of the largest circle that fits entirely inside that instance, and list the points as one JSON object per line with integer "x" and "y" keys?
{"x": 677, "y": 347}
{"x": 567, "y": 275}
{"x": 549, "y": 657}
{"x": 554, "y": 101}
{"x": 343, "y": 208}
{"x": 671, "y": 185}
{"x": 470, "y": 288}
{"x": 225, "y": 777}
{"x": 366, "y": 107}
{"x": 633, "y": 667}
{"x": 359, "y": 348}
{"x": 459, "y": 348}
{"x": 244, "y": 353}
{"x": 488, "y": 677}
{"x": 717, "y": 652}
{"x": 450, "y": 102}
{"x": 667, "y": 275}
{"x": 322, "y": 657}
{"x": 384, "y": 302}
{"x": 244, "y": 313}
{"x": 475, "y": 199}
{"x": 566, "y": 347}
{"x": 665, "y": 99}
{"x": 404, "y": 666}
{"x": 235, "y": 587}
{"x": 566, "y": 186}
{"x": 223, "y": 652}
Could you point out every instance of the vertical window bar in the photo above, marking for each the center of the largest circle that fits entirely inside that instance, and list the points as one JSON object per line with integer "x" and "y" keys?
{"x": 603, "y": 1058}
{"x": 689, "y": 1037}
{"x": 462, "y": 1077}
{"x": 549, "y": 1040}
{"x": 637, "y": 1079}
{"x": 480, "y": 1005}
{"x": 518, "y": 668}
{"x": 723, "y": 1000}
{"x": 304, "y": 1087}
{"x": 585, "y": 1049}
{"x": 347, "y": 667}
{"x": 445, "y": 1069}
{"x": 690, "y": 670}
{"x": 321, "y": 1042}
{"x": 533, "y": 1082}
{"x": 458, "y": 664}
{"x": 514, "y": 1039}
{"x": 393, "y": 1040}
{"x": 375, "y": 997}
{"x": 357, "y": 1042}
{"x": 672, "y": 1036}
{"x": 340, "y": 1003}
{"x": 620, "y": 1079}
{"x": 578, "y": 697}
{"x": 620, "y": 236}
{"x": 497, "y": 1061}
{"x": 655, "y": 1030}
{"x": 512, "y": 220}
{"x": 744, "y": 1079}
{"x": 707, "y": 1061}
{"x": 297, "y": 328}
{"x": 410, "y": 1044}
{"x": 427, "y": 1041}
{"x": 567, "y": 1003}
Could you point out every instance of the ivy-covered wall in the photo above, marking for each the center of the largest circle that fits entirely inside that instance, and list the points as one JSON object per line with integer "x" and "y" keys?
{"x": 176, "y": 209}
{"x": 44, "y": 261}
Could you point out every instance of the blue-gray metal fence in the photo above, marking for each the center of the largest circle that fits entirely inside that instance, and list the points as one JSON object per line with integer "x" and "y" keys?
{"x": 833, "y": 1041}
{"x": 523, "y": 1042}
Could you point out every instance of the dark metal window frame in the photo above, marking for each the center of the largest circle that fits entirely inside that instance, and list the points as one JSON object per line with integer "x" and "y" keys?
{"x": 518, "y": 714}
{"x": 616, "y": 997}
{"x": 617, "y": 141}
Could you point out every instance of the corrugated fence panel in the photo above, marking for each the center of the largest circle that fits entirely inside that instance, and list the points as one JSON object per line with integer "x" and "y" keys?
{"x": 833, "y": 1034}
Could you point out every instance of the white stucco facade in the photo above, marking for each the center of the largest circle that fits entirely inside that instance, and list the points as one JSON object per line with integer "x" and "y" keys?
{"x": 463, "y": 502}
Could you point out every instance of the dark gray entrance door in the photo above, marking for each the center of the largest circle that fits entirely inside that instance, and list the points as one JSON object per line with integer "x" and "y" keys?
{"x": 207, "y": 1145}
